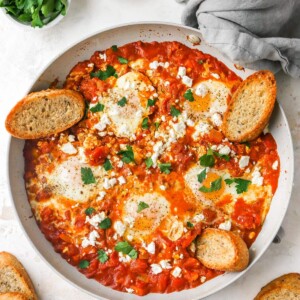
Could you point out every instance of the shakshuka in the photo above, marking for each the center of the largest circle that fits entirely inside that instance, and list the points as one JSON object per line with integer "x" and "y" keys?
{"x": 123, "y": 194}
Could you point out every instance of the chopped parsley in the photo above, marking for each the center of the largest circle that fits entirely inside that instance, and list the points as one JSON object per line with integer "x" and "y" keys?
{"x": 114, "y": 48}
{"x": 107, "y": 165}
{"x": 122, "y": 102}
{"x": 103, "y": 75}
{"x": 165, "y": 168}
{"x": 127, "y": 155}
{"x": 102, "y": 256}
{"x": 145, "y": 123}
{"x": 106, "y": 223}
{"x": 214, "y": 186}
{"x": 122, "y": 60}
{"x": 224, "y": 156}
{"x": 174, "y": 111}
{"x": 156, "y": 124}
{"x": 126, "y": 248}
{"x": 207, "y": 160}
{"x": 89, "y": 211}
{"x": 87, "y": 176}
{"x": 241, "y": 184}
{"x": 141, "y": 206}
{"x": 247, "y": 144}
{"x": 151, "y": 102}
{"x": 202, "y": 176}
{"x": 149, "y": 162}
{"x": 98, "y": 107}
{"x": 200, "y": 61}
{"x": 83, "y": 264}
{"x": 189, "y": 224}
{"x": 188, "y": 95}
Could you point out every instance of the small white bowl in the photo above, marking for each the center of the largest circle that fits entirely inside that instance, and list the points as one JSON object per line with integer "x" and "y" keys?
{"x": 28, "y": 26}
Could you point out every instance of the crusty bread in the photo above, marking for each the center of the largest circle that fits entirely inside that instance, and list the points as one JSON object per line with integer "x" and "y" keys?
{"x": 286, "y": 287}
{"x": 222, "y": 250}
{"x": 43, "y": 113}
{"x": 250, "y": 108}
{"x": 14, "y": 278}
{"x": 13, "y": 296}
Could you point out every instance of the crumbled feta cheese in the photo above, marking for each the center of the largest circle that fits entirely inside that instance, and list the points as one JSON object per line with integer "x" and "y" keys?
{"x": 121, "y": 180}
{"x": 167, "y": 83}
{"x": 203, "y": 279}
{"x": 130, "y": 221}
{"x": 68, "y": 148}
{"x": 275, "y": 165}
{"x": 96, "y": 219}
{"x": 181, "y": 72}
{"x": 224, "y": 150}
{"x": 187, "y": 81}
{"x": 119, "y": 227}
{"x": 200, "y": 129}
{"x": 156, "y": 268}
{"x": 216, "y": 119}
{"x": 201, "y": 90}
{"x": 71, "y": 138}
{"x": 256, "y": 177}
{"x": 101, "y": 195}
{"x": 244, "y": 161}
{"x": 151, "y": 248}
{"x": 162, "y": 187}
{"x": 104, "y": 121}
{"x": 176, "y": 272}
{"x": 129, "y": 290}
{"x": 165, "y": 264}
{"x": 166, "y": 65}
{"x": 90, "y": 65}
{"x": 129, "y": 238}
{"x": 82, "y": 156}
{"x": 225, "y": 225}
{"x": 215, "y": 75}
{"x": 102, "y": 56}
{"x": 109, "y": 183}
{"x": 198, "y": 218}
{"x": 158, "y": 150}
{"x": 120, "y": 164}
{"x": 190, "y": 123}
{"x": 91, "y": 240}
{"x": 163, "y": 118}
{"x": 124, "y": 257}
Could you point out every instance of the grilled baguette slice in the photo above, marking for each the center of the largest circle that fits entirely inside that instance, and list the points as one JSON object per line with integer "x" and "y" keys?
{"x": 13, "y": 296}
{"x": 250, "y": 108}
{"x": 222, "y": 250}
{"x": 285, "y": 287}
{"x": 44, "y": 113}
{"x": 14, "y": 278}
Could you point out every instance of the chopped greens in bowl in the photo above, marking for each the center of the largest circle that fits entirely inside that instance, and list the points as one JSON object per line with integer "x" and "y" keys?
{"x": 36, "y": 13}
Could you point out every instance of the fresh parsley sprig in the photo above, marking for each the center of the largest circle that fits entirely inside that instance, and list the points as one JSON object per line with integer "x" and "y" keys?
{"x": 103, "y": 75}
{"x": 126, "y": 248}
{"x": 127, "y": 155}
{"x": 216, "y": 185}
{"x": 242, "y": 185}
{"x": 87, "y": 176}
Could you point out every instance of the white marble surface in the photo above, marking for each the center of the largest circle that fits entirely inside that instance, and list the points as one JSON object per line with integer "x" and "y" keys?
{"x": 25, "y": 53}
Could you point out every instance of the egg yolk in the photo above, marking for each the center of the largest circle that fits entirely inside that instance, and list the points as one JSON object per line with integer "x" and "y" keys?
{"x": 215, "y": 195}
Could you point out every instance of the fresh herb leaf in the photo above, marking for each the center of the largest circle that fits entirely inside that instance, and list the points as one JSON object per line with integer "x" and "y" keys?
{"x": 241, "y": 184}
{"x": 106, "y": 223}
{"x": 141, "y": 206}
{"x": 122, "y": 102}
{"x": 200, "y": 61}
{"x": 214, "y": 186}
{"x": 145, "y": 123}
{"x": 247, "y": 144}
{"x": 224, "y": 156}
{"x": 122, "y": 60}
{"x": 114, "y": 48}
{"x": 149, "y": 162}
{"x": 165, "y": 168}
{"x": 126, "y": 248}
{"x": 127, "y": 155}
{"x": 102, "y": 256}
{"x": 188, "y": 95}
{"x": 189, "y": 224}
{"x": 83, "y": 264}
{"x": 202, "y": 176}
{"x": 174, "y": 111}
{"x": 103, "y": 75}
{"x": 89, "y": 211}
{"x": 87, "y": 176}
{"x": 156, "y": 124}
{"x": 107, "y": 165}
{"x": 98, "y": 107}
{"x": 151, "y": 102}
{"x": 207, "y": 160}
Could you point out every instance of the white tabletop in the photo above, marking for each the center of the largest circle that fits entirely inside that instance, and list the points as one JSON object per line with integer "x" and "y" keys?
{"x": 25, "y": 53}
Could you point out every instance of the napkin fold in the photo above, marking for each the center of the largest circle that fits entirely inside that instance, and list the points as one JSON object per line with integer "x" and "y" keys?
{"x": 259, "y": 34}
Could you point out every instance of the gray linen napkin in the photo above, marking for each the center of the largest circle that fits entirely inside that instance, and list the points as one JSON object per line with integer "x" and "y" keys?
{"x": 259, "y": 34}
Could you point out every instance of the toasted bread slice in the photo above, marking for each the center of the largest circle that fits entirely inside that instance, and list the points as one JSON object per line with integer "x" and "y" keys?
{"x": 13, "y": 296}
{"x": 285, "y": 287}
{"x": 222, "y": 250}
{"x": 14, "y": 278}
{"x": 44, "y": 113}
{"x": 250, "y": 108}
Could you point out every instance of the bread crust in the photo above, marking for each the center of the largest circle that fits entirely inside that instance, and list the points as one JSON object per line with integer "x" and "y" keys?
{"x": 253, "y": 130}
{"x": 15, "y": 121}
{"x": 206, "y": 243}
{"x": 9, "y": 260}
{"x": 289, "y": 283}
{"x": 13, "y": 296}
